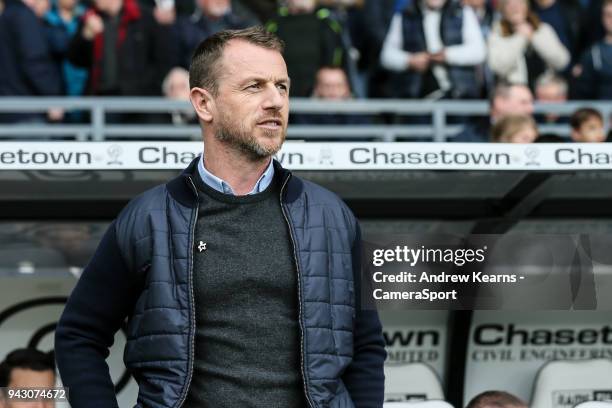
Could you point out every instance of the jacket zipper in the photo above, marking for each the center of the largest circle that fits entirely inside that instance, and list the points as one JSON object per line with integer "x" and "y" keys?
{"x": 297, "y": 267}
{"x": 191, "y": 300}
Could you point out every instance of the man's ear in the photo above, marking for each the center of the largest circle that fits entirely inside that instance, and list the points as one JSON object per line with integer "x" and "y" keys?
{"x": 203, "y": 103}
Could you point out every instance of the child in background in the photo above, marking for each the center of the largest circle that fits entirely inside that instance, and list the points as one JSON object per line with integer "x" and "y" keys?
{"x": 514, "y": 129}
{"x": 587, "y": 126}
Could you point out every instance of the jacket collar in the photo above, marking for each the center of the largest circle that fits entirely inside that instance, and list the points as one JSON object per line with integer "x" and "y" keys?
{"x": 182, "y": 188}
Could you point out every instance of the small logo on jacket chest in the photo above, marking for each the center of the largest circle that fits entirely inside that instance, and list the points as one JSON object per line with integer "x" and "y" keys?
{"x": 202, "y": 246}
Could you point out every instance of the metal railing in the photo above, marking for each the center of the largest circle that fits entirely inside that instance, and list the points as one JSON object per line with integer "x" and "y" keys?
{"x": 439, "y": 128}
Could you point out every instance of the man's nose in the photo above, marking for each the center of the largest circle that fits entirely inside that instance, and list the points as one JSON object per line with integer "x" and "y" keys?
{"x": 274, "y": 99}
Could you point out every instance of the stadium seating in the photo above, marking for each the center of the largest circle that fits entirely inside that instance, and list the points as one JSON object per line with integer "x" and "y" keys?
{"x": 561, "y": 384}
{"x": 419, "y": 404}
{"x": 595, "y": 404}
{"x": 414, "y": 381}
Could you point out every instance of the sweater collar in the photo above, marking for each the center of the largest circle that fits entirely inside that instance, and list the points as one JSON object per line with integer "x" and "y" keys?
{"x": 222, "y": 186}
{"x": 182, "y": 188}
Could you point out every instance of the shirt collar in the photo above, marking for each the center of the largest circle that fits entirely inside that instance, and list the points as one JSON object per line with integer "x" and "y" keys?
{"x": 220, "y": 185}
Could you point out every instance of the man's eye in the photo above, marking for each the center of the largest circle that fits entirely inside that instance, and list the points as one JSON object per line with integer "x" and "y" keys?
{"x": 282, "y": 86}
{"x": 254, "y": 86}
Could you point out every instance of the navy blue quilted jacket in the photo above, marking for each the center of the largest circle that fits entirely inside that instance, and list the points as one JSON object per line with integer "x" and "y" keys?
{"x": 142, "y": 270}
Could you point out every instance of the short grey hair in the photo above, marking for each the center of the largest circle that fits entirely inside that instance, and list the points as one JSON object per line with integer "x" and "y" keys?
{"x": 550, "y": 78}
{"x": 204, "y": 68}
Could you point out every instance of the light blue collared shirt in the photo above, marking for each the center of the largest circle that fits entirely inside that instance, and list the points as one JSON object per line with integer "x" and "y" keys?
{"x": 220, "y": 185}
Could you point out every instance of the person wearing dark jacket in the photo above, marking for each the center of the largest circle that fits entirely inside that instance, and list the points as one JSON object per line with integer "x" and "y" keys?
{"x": 566, "y": 17}
{"x": 209, "y": 17}
{"x": 594, "y": 73}
{"x": 26, "y": 65}
{"x": 434, "y": 47}
{"x": 240, "y": 282}
{"x": 62, "y": 22}
{"x": 313, "y": 38}
{"x": 125, "y": 51}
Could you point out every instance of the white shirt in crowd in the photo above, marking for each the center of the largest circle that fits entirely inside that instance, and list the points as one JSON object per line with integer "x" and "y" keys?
{"x": 472, "y": 50}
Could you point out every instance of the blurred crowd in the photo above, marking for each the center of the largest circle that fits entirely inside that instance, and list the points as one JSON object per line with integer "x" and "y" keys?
{"x": 553, "y": 50}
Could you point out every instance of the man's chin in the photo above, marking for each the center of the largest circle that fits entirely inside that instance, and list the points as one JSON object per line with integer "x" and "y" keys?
{"x": 271, "y": 139}
{"x": 261, "y": 150}
{"x": 272, "y": 133}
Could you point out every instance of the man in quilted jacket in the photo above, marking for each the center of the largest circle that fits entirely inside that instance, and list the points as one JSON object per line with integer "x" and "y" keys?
{"x": 240, "y": 282}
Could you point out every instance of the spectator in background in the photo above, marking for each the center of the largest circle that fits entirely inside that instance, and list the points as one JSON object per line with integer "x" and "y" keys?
{"x": 485, "y": 14}
{"x": 26, "y": 65}
{"x": 350, "y": 17}
{"x": 39, "y": 7}
{"x": 514, "y": 129}
{"x": 1, "y": 6}
{"x": 313, "y": 39}
{"x": 587, "y": 126}
{"x": 176, "y": 87}
{"x": 521, "y": 47}
{"x": 496, "y": 399}
{"x": 373, "y": 27}
{"x": 506, "y": 99}
{"x": 126, "y": 52}
{"x": 210, "y": 17}
{"x": 185, "y": 8}
{"x": 550, "y": 88}
{"x": 331, "y": 84}
{"x": 594, "y": 74}
{"x": 566, "y": 18}
{"x": 594, "y": 30}
{"x": 434, "y": 47}
{"x": 26, "y": 368}
{"x": 62, "y": 23}
{"x": 263, "y": 9}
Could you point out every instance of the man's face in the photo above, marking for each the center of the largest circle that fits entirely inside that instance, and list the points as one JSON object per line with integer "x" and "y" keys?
{"x": 332, "y": 84}
{"x": 178, "y": 85}
{"x": 26, "y": 378}
{"x": 214, "y": 8}
{"x": 518, "y": 101}
{"x": 607, "y": 18}
{"x": 591, "y": 131}
{"x": 251, "y": 108}
{"x": 550, "y": 93}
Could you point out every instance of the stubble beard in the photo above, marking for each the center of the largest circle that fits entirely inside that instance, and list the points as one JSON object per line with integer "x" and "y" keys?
{"x": 237, "y": 136}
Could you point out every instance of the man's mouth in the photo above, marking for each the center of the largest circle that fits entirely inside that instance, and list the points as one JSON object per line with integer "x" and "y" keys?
{"x": 270, "y": 123}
